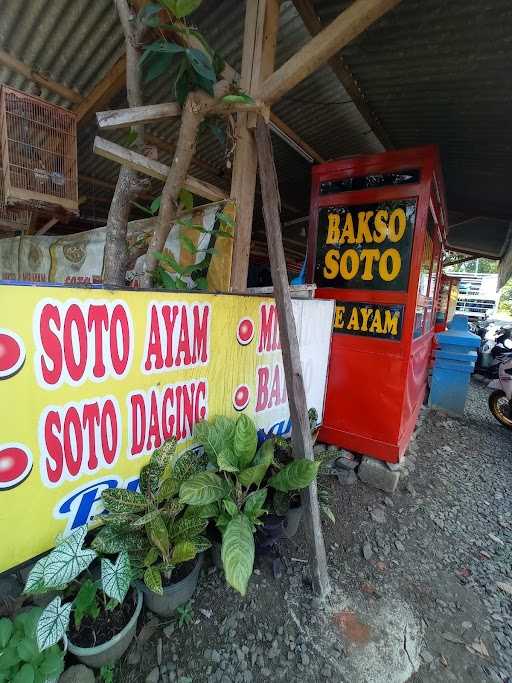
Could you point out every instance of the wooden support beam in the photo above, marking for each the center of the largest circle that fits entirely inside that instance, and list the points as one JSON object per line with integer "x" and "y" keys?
{"x": 134, "y": 116}
{"x": 348, "y": 25}
{"x": 103, "y": 91}
{"x": 344, "y": 75}
{"x": 12, "y": 63}
{"x": 47, "y": 226}
{"x": 260, "y": 35}
{"x": 288, "y": 132}
{"x": 141, "y": 164}
{"x": 170, "y": 148}
{"x": 301, "y": 434}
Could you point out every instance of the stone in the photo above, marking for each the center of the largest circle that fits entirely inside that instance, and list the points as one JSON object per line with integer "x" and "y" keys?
{"x": 367, "y": 551}
{"x": 346, "y": 461}
{"x": 80, "y": 674}
{"x": 346, "y": 477}
{"x": 376, "y": 474}
{"x": 427, "y": 657}
{"x": 378, "y": 515}
{"x": 153, "y": 676}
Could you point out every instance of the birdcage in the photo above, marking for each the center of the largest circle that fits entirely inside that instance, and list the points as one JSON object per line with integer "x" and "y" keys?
{"x": 38, "y": 146}
{"x": 11, "y": 218}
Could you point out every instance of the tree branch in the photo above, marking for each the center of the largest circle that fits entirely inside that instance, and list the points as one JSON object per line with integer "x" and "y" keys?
{"x": 128, "y": 186}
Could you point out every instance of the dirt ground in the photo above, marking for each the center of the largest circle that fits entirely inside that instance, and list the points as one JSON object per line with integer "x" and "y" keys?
{"x": 422, "y": 582}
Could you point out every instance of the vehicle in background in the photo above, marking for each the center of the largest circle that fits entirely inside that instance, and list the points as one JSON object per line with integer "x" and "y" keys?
{"x": 478, "y": 296}
{"x": 500, "y": 401}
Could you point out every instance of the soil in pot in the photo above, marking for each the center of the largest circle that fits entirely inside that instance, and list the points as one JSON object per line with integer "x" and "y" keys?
{"x": 108, "y": 623}
{"x": 180, "y": 572}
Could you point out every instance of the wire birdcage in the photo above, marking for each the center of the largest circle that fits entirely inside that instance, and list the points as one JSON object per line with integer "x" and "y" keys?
{"x": 11, "y": 218}
{"x": 39, "y": 153}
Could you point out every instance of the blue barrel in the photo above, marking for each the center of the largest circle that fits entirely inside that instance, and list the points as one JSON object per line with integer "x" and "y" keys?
{"x": 453, "y": 365}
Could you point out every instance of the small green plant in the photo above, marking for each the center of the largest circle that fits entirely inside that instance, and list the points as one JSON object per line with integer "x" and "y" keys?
{"x": 154, "y": 527}
{"x": 66, "y": 570}
{"x": 185, "y": 614}
{"x": 107, "y": 673}
{"x": 231, "y": 491}
{"x": 20, "y": 658}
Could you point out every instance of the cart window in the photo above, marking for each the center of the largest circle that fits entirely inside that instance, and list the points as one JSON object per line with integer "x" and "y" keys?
{"x": 427, "y": 284}
{"x": 405, "y": 177}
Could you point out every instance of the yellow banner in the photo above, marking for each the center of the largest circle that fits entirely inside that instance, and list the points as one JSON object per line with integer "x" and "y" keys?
{"x": 92, "y": 381}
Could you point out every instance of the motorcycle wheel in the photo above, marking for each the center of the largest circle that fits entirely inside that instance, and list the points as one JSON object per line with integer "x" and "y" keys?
{"x": 501, "y": 408}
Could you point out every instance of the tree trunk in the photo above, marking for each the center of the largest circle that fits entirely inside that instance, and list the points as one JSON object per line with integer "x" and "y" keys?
{"x": 128, "y": 185}
{"x": 195, "y": 109}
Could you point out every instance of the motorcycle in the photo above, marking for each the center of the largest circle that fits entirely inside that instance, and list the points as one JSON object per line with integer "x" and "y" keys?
{"x": 500, "y": 401}
{"x": 491, "y": 353}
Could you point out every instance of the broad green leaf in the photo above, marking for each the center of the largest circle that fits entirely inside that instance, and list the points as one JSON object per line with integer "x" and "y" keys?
{"x": 9, "y": 659}
{"x": 151, "y": 556}
{"x": 27, "y": 650}
{"x": 201, "y": 543}
{"x": 253, "y": 475}
{"x": 254, "y": 503}
{"x": 53, "y": 623}
{"x": 186, "y": 199}
{"x": 109, "y": 540}
{"x": 35, "y": 581}
{"x": 6, "y": 629}
{"x": 53, "y": 663}
{"x": 116, "y": 577}
{"x": 148, "y": 15}
{"x": 145, "y": 519}
{"x": 239, "y": 98}
{"x": 187, "y": 527}
{"x": 265, "y": 453}
{"x": 230, "y": 507}
{"x": 227, "y": 461}
{"x": 154, "y": 207}
{"x": 180, "y": 284}
{"x": 163, "y": 46}
{"x": 201, "y": 64}
{"x": 150, "y": 476}
{"x": 67, "y": 560}
{"x": 188, "y": 244}
{"x": 215, "y": 435}
{"x": 188, "y": 464}
{"x": 159, "y": 65}
{"x": 85, "y": 602}
{"x": 172, "y": 508}
{"x": 25, "y": 675}
{"x": 245, "y": 440}
{"x": 185, "y": 7}
{"x": 165, "y": 454}
{"x": 203, "y": 511}
{"x": 295, "y": 476}
{"x": 183, "y": 551}
{"x": 201, "y": 283}
{"x": 122, "y": 500}
{"x": 157, "y": 532}
{"x": 202, "y": 488}
{"x": 153, "y": 580}
{"x": 238, "y": 553}
{"x": 26, "y": 622}
{"x": 168, "y": 488}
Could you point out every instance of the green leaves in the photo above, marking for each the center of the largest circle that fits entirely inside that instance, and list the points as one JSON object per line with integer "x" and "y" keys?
{"x": 185, "y": 7}
{"x": 238, "y": 98}
{"x": 238, "y": 552}
{"x": 110, "y": 540}
{"x": 245, "y": 440}
{"x": 158, "y": 535}
{"x": 6, "y": 629}
{"x": 295, "y": 476}
{"x": 116, "y": 577}
{"x": 53, "y": 623}
{"x": 260, "y": 464}
{"x": 254, "y": 503}
{"x": 183, "y": 551}
{"x": 227, "y": 461}
{"x": 121, "y": 500}
{"x": 215, "y": 435}
{"x": 153, "y": 580}
{"x": 202, "y": 488}
{"x": 85, "y": 602}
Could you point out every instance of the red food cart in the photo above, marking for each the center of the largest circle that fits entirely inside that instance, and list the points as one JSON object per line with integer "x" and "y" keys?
{"x": 377, "y": 229}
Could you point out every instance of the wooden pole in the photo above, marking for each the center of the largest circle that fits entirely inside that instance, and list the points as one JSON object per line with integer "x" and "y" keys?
{"x": 301, "y": 434}
{"x": 260, "y": 34}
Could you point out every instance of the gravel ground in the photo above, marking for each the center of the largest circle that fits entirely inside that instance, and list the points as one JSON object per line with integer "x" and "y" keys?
{"x": 440, "y": 547}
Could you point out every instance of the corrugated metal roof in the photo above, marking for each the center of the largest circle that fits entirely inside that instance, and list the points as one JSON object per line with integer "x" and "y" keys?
{"x": 431, "y": 70}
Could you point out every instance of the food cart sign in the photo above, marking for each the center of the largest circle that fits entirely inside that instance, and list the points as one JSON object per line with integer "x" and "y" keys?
{"x": 383, "y": 321}
{"x": 92, "y": 381}
{"x": 365, "y": 247}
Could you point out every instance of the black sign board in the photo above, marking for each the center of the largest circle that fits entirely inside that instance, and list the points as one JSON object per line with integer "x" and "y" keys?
{"x": 365, "y": 247}
{"x": 382, "y": 321}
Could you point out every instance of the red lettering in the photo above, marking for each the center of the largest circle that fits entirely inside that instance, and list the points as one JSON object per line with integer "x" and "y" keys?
{"x": 53, "y": 447}
{"x": 154, "y": 437}
{"x": 169, "y": 316}
{"x": 50, "y": 317}
{"x": 98, "y": 319}
{"x": 167, "y": 416}
{"x": 184, "y": 341}
{"x": 154, "y": 344}
{"x": 73, "y": 449}
{"x": 119, "y": 338}
{"x": 91, "y": 419}
{"x": 109, "y": 427}
{"x": 269, "y": 329}
{"x": 138, "y": 423}
{"x": 200, "y": 351}
{"x": 75, "y": 342}
{"x": 262, "y": 388}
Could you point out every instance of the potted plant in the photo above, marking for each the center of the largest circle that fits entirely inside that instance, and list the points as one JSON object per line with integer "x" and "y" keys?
{"x": 20, "y": 658}
{"x": 230, "y": 491}
{"x": 99, "y": 615}
{"x": 163, "y": 538}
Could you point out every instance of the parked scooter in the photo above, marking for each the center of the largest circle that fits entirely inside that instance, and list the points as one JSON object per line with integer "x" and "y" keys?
{"x": 500, "y": 401}
{"x": 492, "y": 351}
